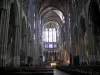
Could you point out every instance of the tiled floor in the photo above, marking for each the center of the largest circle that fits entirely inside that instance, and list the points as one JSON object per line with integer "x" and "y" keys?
{"x": 58, "y": 72}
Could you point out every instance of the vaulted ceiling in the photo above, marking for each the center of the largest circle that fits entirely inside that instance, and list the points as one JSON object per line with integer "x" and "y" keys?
{"x": 46, "y": 9}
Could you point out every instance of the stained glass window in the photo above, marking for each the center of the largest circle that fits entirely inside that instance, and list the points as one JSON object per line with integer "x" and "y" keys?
{"x": 50, "y": 35}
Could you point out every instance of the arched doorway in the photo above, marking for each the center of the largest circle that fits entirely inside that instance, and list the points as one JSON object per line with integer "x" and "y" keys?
{"x": 94, "y": 21}
{"x": 12, "y": 34}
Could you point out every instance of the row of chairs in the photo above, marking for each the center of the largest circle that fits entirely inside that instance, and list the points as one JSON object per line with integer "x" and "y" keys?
{"x": 83, "y": 70}
{"x": 26, "y": 71}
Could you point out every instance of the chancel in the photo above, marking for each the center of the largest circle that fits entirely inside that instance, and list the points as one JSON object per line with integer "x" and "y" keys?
{"x": 50, "y": 37}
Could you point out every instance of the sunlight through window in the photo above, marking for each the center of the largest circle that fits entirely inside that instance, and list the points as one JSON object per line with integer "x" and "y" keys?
{"x": 50, "y": 35}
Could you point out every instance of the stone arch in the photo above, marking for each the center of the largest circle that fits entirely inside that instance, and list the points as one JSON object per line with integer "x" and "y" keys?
{"x": 47, "y": 9}
{"x": 59, "y": 7}
{"x": 94, "y": 18}
{"x": 83, "y": 40}
{"x": 94, "y": 24}
{"x": 51, "y": 18}
{"x": 13, "y": 21}
{"x": 55, "y": 11}
{"x": 93, "y": 12}
{"x": 15, "y": 6}
{"x": 82, "y": 25}
{"x": 46, "y": 17}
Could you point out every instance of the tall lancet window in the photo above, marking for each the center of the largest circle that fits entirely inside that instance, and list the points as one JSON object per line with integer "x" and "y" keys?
{"x": 50, "y": 37}
{"x": 54, "y": 34}
{"x": 46, "y": 35}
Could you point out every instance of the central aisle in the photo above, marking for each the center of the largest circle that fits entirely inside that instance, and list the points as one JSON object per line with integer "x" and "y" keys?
{"x": 58, "y": 72}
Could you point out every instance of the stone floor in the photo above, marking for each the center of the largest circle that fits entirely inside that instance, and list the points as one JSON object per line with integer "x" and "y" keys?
{"x": 58, "y": 72}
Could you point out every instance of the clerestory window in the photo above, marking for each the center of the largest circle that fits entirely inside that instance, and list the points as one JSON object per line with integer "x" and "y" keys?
{"x": 50, "y": 35}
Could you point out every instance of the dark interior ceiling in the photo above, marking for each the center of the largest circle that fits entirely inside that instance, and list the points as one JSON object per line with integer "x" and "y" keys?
{"x": 45, "y": 9}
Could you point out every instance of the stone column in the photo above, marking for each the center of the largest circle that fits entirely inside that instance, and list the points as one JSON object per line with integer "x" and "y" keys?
{"x": 37, "y": 38}
{"x": 3, "y": 37}
{"x": 36, "y": 41}
{"x": 90, "y": 45}
{"x": 48, "y": 55}
{"x": 86, "y": 43}
{"x": 93, "y": 44}
{"x": 17, "y": 50}
{"x": 83, "y": 49}
{"x": 81, "y": 44}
